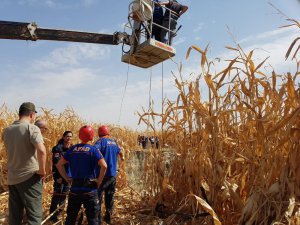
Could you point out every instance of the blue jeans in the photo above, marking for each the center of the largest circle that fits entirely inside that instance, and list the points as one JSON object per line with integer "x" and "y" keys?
{"x": 90, "y": 202}
{"x": 108, "y": 186}
{"x": 59, "y": 196}
{"x": 26, "y": 195}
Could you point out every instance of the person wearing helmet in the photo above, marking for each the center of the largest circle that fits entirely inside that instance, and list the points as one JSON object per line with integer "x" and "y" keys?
{"x": 110, "y": 151}
{"x": 84, "y": 161}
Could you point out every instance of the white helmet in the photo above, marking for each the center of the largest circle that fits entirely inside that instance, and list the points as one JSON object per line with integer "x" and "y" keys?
{"x": 142, "y": 9}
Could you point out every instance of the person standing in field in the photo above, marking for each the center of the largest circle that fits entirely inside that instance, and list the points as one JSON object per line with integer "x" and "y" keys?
{"x": 157, "y": 142}
{"x": 177, "y": 10}
{"x": 144, "y": 141}
{"x": 110, "y": 151}
{"x": 139, "y": 140}
{"x": 60, "y": 186}
{"x": 152, "y": 141}
{"x": 26, "y": 161}
{"x": 42, "y": 124}
{"x": 84, "y": 161}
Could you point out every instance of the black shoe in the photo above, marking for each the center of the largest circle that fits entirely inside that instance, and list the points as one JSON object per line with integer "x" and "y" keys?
{"x": 107, "y": 218}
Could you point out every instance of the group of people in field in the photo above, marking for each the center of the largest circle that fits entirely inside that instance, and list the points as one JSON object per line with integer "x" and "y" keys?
{"x": 144, "y": 141}
{"x": 84, "y": 172}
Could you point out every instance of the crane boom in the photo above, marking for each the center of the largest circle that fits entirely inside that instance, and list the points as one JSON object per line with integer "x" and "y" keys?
{"x": 144, "y": 55}
{"x": 30, "y": 31}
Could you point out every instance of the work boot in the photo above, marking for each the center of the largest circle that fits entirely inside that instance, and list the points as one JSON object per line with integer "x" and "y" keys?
{"x": 107, "y": 218}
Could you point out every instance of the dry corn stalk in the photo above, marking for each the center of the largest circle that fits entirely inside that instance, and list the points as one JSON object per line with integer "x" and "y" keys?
{"x": 235, "y": 142}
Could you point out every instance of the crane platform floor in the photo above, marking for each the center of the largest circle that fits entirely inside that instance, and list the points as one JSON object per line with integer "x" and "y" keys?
{"x": 149, "y": 53}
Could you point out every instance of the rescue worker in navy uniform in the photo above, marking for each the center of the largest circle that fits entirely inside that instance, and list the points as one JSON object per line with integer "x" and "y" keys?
{"x": 158, "y": 15}
{"x": 84, "y": 161}
{"x": 178, "y": 10}
{"x": 60, "y": 186}
{"x": 110, "y": 151}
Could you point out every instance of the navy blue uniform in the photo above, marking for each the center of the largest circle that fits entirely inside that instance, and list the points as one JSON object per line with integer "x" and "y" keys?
{"x": 172, "y": 20}
{"x": 83, "y": 161}
{"x": 110, "y": 151}
{"x": 60, "y": 186}
{"x": 158, "y": 15}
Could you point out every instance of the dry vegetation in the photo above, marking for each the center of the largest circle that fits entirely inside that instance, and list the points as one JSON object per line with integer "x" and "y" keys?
{"x": 235, "y": 153}
{"x": 57, "y": 124}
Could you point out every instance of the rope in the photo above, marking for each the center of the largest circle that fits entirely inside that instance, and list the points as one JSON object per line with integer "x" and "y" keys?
{"x": 150, "y": 98}
{"x": 125, "y": 89}
{"x": 162, "y": 101}
{"x": 61, "y": 207}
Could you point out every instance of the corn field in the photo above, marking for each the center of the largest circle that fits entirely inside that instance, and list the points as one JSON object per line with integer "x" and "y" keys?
{"x": 235, "y": 152}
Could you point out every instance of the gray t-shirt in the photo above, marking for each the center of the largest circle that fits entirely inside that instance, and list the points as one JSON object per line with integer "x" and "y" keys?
{"x": 19, "y": 140}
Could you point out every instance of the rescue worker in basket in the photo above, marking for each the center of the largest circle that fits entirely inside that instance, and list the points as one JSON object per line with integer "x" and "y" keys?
{"x": 84, "y": 161}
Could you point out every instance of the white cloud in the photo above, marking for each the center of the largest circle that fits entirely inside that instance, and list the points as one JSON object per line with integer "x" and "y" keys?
{"x": 122, "y": 26}
{"x": 179, "y": 41}
{"x": 87, "y": 3}
{"x": 269, "y": 34}
{"x": 59, "y": 80}
{"x": 273, "y": 43}
{"x": 4, "y": 2}
{"x": 63, "y": 83}
{"x": 49, "y": 85}
{"x": 57, "y": 3}
{"x": 106, "y": 90}
{"x": 276, "y": 50}
{"x": 73, "y": 55}
{"x": 198, "y": 28}
{"x": 109, "y": 100}
{"x": 49, "y": 3}
{"x": 58, "y": 75}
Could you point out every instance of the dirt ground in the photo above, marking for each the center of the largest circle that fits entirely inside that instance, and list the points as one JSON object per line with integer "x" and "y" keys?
{"x": 129, "y": 200}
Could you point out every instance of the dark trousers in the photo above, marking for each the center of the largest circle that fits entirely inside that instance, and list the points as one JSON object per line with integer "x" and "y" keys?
{"x": 59, "y": 196}
{"x": 108, "y": 186}
{"x": 90, "y": 202}
{"x": 173, "y": 24}
{"x": 156, "y": 31}
{"x": 26, "y": 195}
{"x": 144, "y": 144}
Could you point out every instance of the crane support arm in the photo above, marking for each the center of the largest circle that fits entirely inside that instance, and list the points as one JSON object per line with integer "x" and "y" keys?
{"x": 30, "y": 31}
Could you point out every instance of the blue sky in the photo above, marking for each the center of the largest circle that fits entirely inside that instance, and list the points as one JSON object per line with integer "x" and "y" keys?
{"x": 91, "y": 78}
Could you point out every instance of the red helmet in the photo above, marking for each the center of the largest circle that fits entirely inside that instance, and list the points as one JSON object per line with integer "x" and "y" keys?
{"x": 86, "y": 133}
{"x": 103, "y": 131}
